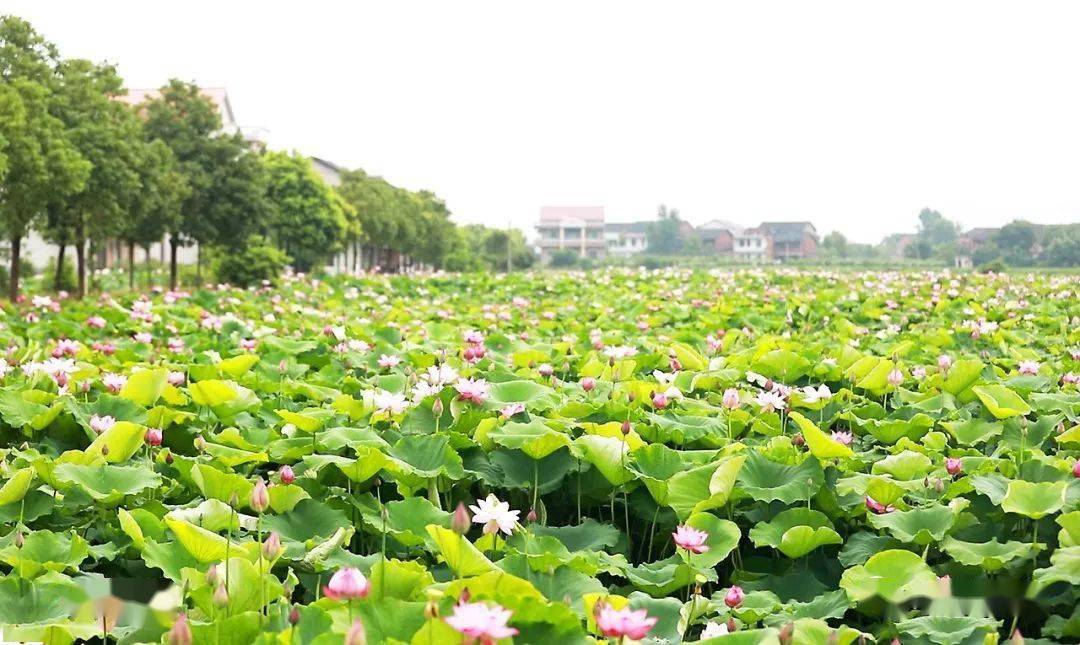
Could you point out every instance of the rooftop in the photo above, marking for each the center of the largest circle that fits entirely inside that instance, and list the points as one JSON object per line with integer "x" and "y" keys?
{"x": 568, "y": 214}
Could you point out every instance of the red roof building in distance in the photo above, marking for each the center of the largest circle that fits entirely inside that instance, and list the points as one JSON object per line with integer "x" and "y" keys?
{"x": 572, "y": 228}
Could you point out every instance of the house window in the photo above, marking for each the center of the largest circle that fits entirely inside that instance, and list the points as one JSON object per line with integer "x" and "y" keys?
{"x": 572, "y": 234}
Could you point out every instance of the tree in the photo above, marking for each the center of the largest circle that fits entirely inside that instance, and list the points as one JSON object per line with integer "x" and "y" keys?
{"x": 835, "y": 244}
{"x": 1017, "y": 241}
{"x": 935, "y": 230}
{"x": 1064, "y": 250}
{"x": 41, "y": 164}
{"x": 308, "y": 223}
{"x": 225, "y": 202}
{"x": 107, "y": 134}
{"x": 665, "y": 235}
{"x": 155, "y": 210}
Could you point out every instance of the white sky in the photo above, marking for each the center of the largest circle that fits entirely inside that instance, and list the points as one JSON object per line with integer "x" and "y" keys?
{"x": 853, "y": 115}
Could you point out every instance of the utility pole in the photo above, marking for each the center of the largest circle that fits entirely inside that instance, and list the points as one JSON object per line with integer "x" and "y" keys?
{"x": 508, "y": 266}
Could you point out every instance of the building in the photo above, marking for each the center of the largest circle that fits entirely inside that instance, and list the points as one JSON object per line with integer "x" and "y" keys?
{"x": 790, "y": 240}
{"x": 572, "y": 228}
{"x": 751, "y": 245}
{"x": 330, "y": 172}
{"x": 718, "y": 236}
{"x": 626, "y": 238}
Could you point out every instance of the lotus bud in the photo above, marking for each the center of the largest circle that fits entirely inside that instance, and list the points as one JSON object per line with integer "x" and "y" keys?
{"x": 953, "y": 466}
{"x": 731, "y": 398}
{"x": 431, "y": 610}
{"x": 734, "y": 596}
{"x": 945, "y": 584}
{"x": 460, "y": 521}
{"x": 939, "y": 485}
{"x": 1076, "y": 469}
{"x": 200, "y": 444}
{"x": 294, "y": 615}
{"x": 287, "y": 475}
{"x": 631, "y": 396}
{"x": 798, "y": 439}
{"x": 20, "y": 540}
{"x": 153, "y": 436}
{"x": 221, "y": 596}
{"x": 357, "y": 634}
{"x": 180, "y": 632}
{"x": 437, "y": 407}
{"x": 168, "y": 457}
{"x": 546, "y": 370}
{"x": 260, "y": 497}
{"x": 272, "y": 548}
{"x": 282, "y": 366}
{"x": 104, "y": 451}
{"x": 834, "y": 638}
{"x": 786, "y": 632}
{"x": 1017, "y": 637}
{"x": 588, "y": 383}
{"x": 531, "y": 517}
{"x": 732, "y": 627}
{"x": 213, "y": 575}
{"x": 465, "y": 596}
{"x": 895, "y": 377}
{"x": 626, "y": 426}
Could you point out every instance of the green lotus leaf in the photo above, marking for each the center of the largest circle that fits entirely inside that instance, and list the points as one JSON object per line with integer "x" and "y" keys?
{"x": 703, "y": 488}
{"x": 16, "y": 486}
{"x": 723, "y": 538}
{"x": 108, "y": 485}
{"x": 44, "y": 550}
{"x": 923, "y": 525}
{"x": 123, "y": 440}
{"x": 962, "y": 375}
{"x": 407, "y": 520}
{"x": 1064, "y": 567}
{"x": 821, "y": 445}
{"x": 220, "y": 485}
{"x": 906, "y": 466}
{"x": 535, "y": 438}
{"x": 246, "y": 591}
{"x": 766, "y": 481}
{"x": 947, "y": 630}
{"x": 460, "y": 555}
{"x": 661, "y": 577}
{"x": 894, "y": 575}
{"x": 308, "y": 520}
{"x": 990, "y": 555}
{"x": 203, "y": 545}
{"x": 428, "y": 456}
{"x": 405, "y": 580}
{"x": 237, "y": 366}
{"x": 1070, "y": 528}
{"x": 1002, "y": 402}
{"x": 972, "y": 432}
{"x": 608, "y": 455}
{"x": 145, "y": 387}
{"x": 309, "y": 420}
{"x": 1034, "y": 500}
{"x": 654, "y": 465}
{"x": 532, "y": 394}
{"x": 795, "y": 532}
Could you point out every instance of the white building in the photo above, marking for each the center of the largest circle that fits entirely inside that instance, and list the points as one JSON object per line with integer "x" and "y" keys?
{"x": 750, "y": 245}
{"x": 574, "y": 228}
{"x": 626, "y": 238}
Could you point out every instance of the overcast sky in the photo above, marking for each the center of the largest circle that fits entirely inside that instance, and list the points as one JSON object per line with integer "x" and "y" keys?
{"x": 853, "y": 115}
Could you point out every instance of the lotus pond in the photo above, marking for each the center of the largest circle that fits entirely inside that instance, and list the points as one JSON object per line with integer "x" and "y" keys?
{"x": 666, "y": 456}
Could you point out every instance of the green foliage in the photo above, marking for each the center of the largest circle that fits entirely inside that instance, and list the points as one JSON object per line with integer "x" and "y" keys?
{"x": 308, "y": 223}
{"x": 252, "y": 263}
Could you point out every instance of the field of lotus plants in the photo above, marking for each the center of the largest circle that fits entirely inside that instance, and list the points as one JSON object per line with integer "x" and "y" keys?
{"x": 615, "y": 456}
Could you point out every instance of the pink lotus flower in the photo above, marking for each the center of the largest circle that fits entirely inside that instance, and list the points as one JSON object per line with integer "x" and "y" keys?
{"x": 143, "y": 337}
{"x": 545, "y": 370}
{"x": 944, "y": 362}
{"x": 918, "y": 372}
{"x": 176, "y": 379}
{"x": 731, "y": 399}
{"x": 877, "y": 506}
{"x": 389, "y": 360}
{"x": 248, "y": 344}
{"x": 176, "y": 344}
{"x": 113, "y": 382}
{"x": 100, "y": 424}
{"x": 95, "y": 322}
{"x": 1028, "y": 367}
{"x": 953, "y": 466}
{"x": 473, "y": 337}
{"x": 154, "y": 436}
{"x": 626, "y": 622}
{"x": 1069, "y": 377}
{"x": 65, "y": 347}
{"x": 1076, "y": 469}
{"x": 357, "y": 634}
{"x": 660, "y": 400}
{"x": 588, "y": 383}
{"x": 271, "y": 547}
{"x": 478, "y": 620}
{"x": 347, "y": 583}
{"x": 180, "y": 632}
{"x": 770, "y": 401}
{"x": 895, "y": 377}
{"x": 475, "y": 390}
{"x": 734, "y": 596}
{"x": 691, "y": 539}
{"x": 842, "y": 437}
{"x": 512, "y": 409}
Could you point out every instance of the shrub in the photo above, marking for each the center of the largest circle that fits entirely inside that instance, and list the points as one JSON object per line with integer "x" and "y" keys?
{"x": 564, "y": 258}
{"x": 257, "y": 261}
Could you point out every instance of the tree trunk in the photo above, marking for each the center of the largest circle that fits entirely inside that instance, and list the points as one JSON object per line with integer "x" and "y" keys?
{"x": 13, "y": 286}
{"x": 172, "y": 262}
{"x": 59, "y": 277}
{"x": 198, "y": 265}
{"x": 149, "y": 270}
{"x": 131, "y": 265}
{"x": 80, "y": 266}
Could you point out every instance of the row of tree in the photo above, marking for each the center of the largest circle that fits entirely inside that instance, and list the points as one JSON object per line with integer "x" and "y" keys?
{"x": 82, "y": 168}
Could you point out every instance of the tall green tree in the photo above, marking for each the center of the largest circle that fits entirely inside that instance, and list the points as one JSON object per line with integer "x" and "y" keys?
{"x": 42, "y": 164}
{"x": 935, "y": 229}
{"x": 155, "y": 210}
{"x": 835, "y": 244}
{"x": 108, "y": 135}
{"x": 665, "y": 235}
{"x": 307, "y": 221}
